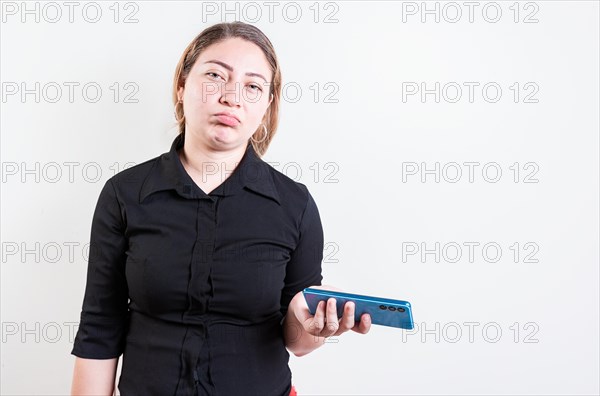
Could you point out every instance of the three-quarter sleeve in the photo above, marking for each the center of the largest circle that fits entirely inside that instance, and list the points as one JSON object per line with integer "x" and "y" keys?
{"x": 304, "y": 268}
{"x": 104, "y": 315}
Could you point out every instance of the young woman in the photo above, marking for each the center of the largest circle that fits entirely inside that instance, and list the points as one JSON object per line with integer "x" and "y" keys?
{"x": 200, "y": 255}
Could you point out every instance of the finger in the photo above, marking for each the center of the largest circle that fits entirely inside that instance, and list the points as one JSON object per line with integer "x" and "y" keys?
{"x": 332, "y": 319}
{"x": 318, "y": 321}
{"x": 347, "y": 321}
{"x": 364, "y": 325}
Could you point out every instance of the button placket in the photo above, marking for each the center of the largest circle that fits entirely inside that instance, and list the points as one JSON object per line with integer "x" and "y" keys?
{"x": 199, "y": 293}
{"x": 199, "y": 288}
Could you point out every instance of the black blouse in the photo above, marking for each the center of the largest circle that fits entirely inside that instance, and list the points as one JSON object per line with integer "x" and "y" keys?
{"x": 192, "y": 288}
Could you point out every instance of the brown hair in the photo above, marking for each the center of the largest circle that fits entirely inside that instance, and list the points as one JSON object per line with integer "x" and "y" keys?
{"x": 215, "y": 34}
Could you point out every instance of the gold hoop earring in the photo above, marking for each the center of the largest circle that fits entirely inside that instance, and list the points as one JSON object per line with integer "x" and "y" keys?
{"x": 265, "y": 137}
{"x": 175, "y": 112}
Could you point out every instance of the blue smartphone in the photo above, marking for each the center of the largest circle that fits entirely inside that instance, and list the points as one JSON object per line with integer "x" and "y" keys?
{"x": 383, "y": 311}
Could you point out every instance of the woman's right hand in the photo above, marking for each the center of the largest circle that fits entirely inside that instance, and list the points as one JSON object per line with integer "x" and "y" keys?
{"x": 325, "y": 322}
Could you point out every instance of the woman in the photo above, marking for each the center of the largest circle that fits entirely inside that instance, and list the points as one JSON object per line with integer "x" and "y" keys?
{"x": 199, "y": 256}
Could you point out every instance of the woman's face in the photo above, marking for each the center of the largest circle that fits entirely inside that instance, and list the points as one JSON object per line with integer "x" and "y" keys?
{"x": 233, "y": 77}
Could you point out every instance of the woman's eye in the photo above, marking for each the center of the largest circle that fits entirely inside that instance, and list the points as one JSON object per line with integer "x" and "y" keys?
{"x": 216, "y": 75}
{"x": 213, "y": 74}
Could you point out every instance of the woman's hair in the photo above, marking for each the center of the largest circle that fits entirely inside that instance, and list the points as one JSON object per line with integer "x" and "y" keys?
{"x": 215, "y": 34}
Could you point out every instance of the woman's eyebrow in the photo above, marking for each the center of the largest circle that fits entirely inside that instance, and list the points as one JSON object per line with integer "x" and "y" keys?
{"x": 226, "y": 66}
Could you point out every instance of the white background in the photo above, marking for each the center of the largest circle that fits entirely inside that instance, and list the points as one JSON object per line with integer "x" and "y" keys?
{"x": 364, "y": 144}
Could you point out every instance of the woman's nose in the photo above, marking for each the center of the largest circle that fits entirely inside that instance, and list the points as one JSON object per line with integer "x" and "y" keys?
{"x": 231, "y": 93}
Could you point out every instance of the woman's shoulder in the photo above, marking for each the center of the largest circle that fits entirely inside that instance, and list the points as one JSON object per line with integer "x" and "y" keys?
{"x": 288, "y": 188}
{"x": 137, "y": 172}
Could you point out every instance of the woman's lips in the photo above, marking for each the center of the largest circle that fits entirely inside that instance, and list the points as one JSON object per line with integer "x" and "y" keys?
{"x": 227, "y": 120}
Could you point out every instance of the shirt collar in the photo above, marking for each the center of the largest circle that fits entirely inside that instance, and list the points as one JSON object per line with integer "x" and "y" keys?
{"x": 168, "y": 173}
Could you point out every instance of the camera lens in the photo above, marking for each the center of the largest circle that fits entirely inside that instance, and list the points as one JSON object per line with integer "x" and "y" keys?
{"x": 401, "y": 309}
{"x": 392, "y": 308}
{"x": 382, "y": 307}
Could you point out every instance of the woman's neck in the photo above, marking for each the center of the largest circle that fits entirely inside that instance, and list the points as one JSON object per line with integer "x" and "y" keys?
{"x": 207, "y": 167}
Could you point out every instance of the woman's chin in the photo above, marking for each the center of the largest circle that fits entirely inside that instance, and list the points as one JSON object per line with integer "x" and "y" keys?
{"x": 224, "y": 135}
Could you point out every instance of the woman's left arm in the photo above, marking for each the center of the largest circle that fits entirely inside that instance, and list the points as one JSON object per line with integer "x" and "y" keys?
{"x": 303, "y": 332}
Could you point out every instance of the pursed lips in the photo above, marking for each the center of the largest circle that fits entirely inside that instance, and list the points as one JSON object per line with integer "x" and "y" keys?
{"x": 228, "y": 118}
